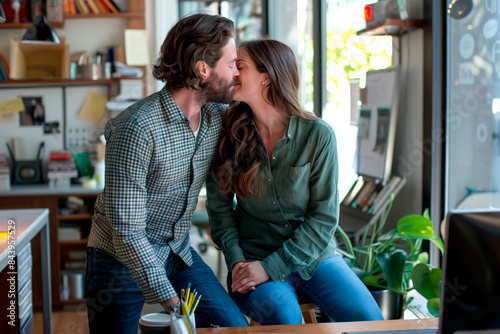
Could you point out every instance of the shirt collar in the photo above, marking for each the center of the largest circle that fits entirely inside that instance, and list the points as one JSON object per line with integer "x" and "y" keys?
{"x": 174, "y": 114}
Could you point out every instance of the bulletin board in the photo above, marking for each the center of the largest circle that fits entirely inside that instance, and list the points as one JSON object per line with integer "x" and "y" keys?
{"x": 62, "y": 126}
{"x": 377, "y": 124}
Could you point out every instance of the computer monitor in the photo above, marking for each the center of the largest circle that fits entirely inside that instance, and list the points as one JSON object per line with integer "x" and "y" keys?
{"x": 470, "y": 290}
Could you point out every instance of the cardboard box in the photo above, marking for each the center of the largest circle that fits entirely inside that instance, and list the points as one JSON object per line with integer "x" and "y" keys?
{"x": 39, "y": 61}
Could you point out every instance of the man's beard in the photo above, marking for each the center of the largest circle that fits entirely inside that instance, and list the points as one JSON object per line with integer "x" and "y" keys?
{"x": 215, "y": 90}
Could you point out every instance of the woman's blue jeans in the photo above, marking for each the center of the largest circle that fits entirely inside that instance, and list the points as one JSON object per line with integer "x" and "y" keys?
{"x": 334, "y": 288}
{"x": 114, "y": 302}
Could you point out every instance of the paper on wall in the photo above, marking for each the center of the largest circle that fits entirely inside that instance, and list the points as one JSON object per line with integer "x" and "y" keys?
{"x": 11, "y": 106}
{"x": 93, "y": 107}
{"x": 136, "y": 47}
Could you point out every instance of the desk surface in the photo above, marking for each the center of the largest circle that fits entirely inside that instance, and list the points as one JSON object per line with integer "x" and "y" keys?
{"x": 45, "y": 189}
{"x": 330, "y": 328}
{"x": 27, "y": 223}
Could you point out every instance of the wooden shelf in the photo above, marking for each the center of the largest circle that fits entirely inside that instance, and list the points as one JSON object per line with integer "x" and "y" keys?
{"x": 56, "y": 82}
{"x": 128, "y": 15}
{"x": 393, "y": 27}
{"x": 76, "y": 216}
{"x": 73, "y": 242}
{"x": 25, "y": 25}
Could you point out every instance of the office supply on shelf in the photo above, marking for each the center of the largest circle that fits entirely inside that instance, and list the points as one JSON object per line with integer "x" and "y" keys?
{"x": 124, "y": 71}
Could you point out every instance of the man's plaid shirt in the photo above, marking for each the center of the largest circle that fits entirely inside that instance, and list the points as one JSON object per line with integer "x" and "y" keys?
{"x": 155, "y": 168}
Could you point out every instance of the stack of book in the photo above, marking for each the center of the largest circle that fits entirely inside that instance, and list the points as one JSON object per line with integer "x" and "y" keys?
{"x": 369, "y": 194}
{"x": 68, "y": 231}
{"x": 90, "y": 7}
{"x": 4, "y": 173}
{"x": 61, "y": 168}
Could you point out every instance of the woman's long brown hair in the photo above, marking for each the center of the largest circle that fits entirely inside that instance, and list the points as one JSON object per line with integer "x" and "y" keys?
{"x": 238, "y": 159}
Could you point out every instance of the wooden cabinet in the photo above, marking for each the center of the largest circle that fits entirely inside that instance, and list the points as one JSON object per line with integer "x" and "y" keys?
{"x": 55, "y": 199}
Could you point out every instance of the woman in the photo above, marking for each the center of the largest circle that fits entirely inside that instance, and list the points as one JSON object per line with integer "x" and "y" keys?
{"x": 281, "y": 162}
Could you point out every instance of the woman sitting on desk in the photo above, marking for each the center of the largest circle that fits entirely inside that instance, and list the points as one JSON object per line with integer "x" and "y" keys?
{"x": 281, "y": 162}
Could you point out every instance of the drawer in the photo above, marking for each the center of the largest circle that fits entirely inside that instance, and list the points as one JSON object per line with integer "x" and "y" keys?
{"x": 23, "y": 277}
{"x": 24, "y": 290}
{"x": 25, "y": 308}
{"x": 23, "y": 255}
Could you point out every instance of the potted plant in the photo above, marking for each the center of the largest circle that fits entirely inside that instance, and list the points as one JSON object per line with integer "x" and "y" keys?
{"x": 384, "y": 261}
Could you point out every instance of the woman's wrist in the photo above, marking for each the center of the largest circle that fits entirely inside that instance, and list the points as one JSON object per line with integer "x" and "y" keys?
{"x": 241, "y": 261}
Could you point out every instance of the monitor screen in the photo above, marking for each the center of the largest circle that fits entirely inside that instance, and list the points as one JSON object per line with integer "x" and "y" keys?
{"x": 470, "y": 289}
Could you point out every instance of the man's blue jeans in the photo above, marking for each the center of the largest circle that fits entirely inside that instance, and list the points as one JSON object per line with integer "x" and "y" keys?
{"x": 114, "y": 302}
{"x": 334, "y": 288}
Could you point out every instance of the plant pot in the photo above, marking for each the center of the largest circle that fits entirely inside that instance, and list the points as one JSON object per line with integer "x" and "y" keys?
{"x": 390, "y": 303}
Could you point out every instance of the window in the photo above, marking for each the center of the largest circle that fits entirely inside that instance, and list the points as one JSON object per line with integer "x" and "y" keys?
{"x": 348, "y": 58}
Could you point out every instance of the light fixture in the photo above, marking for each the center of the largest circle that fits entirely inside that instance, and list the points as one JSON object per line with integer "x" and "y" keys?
{"x": 41, "y": 33}
{"x": 460, "y": 8}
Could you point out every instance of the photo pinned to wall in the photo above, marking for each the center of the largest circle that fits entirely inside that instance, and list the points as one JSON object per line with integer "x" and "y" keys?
{"x": 34, "y": 111}
{"x": 383, "y": 119}
{"x": 51, "y": 128}
{"x": 364, "y": 123}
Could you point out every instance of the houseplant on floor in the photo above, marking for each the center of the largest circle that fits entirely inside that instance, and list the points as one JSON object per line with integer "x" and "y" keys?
{"x": 384, "y": 261}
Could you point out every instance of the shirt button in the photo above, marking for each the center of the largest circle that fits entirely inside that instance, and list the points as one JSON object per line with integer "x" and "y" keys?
{"x": 274, "y": 203}
{"x": 282, "y": 280}
{"x": 274, "y": 158}
{"x": 268, "y": 180}
{"x": 289, "y": 135}
{"x": 283, "y": 275}
{"x": 286, "y": 225}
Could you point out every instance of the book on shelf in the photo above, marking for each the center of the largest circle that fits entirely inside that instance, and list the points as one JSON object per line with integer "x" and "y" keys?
{"x": 371, "y": 199}
{"x": 362, "y": 196}
{"x": 69, "y": 232}
{"x": 82, "y": 7}
{"x": 111, "y": 5}
{"x": 92, "y": 6}
{"x": 102, "y": 7}
{"x": 351, "y": 195}
{"x": 384, "y": 194}
{"x": 54, "y": 11}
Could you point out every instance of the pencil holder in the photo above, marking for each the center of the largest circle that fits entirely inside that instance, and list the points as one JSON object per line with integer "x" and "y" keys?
{"x": 178, "y": 324}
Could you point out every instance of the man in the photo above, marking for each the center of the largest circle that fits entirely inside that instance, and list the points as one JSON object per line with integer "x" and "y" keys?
{"x": 158, "y": 154}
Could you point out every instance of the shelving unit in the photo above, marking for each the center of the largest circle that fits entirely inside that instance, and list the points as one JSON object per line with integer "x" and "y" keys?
{"x": 42, "y": 196}
{"x": 392, "y": 27}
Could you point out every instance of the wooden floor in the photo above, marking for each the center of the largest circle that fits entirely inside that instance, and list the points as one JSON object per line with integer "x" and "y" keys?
{"x": 63, "y": 322}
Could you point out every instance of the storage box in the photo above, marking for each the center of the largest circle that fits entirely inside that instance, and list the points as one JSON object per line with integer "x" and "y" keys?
{"x": 39, "y": 61}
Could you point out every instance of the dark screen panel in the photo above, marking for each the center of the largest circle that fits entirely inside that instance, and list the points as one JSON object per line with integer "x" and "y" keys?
{"x": 471, "y": 290}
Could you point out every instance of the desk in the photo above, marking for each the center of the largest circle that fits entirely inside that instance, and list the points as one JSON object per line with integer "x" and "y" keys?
{"x": 28, "y": 223}
{"x": 328, "y": 328}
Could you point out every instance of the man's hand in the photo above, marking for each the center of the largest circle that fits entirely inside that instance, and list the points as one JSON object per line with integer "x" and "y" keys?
{"x": 166, "y": 304}
{"x": 246, "y": 276}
